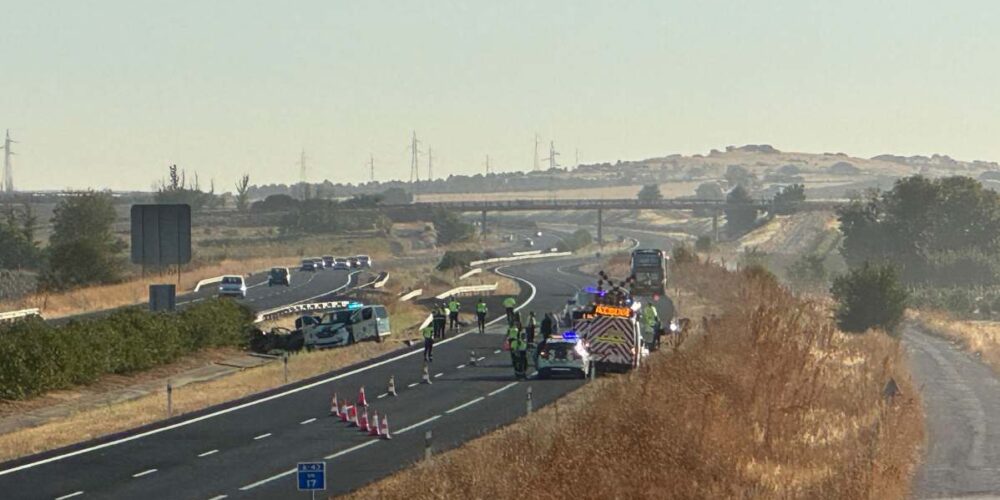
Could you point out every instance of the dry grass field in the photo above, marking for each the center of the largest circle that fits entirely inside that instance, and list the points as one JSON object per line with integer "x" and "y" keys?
{"x": 669, "y": 190}
{"x": 768, "y": 400}
{"x": 982, "y": 337}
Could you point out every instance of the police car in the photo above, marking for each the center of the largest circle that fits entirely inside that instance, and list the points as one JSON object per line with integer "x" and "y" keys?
{"x": 562, "y": 354}
{"x": 345, "y": 326}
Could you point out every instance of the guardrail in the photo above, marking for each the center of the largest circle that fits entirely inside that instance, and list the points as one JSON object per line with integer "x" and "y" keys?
{"x": 465, "y": 290}
{"x": 496, "y": 260}
{"x": 311, "y": 306}
{"x": 23, "y": 313}
{"x": 411, "y": 295}
{"x": 208, "y": 281}
{"x": 379, "y": 283}
{"x": 530, "y": 252}
{"x": 470, "y": 273}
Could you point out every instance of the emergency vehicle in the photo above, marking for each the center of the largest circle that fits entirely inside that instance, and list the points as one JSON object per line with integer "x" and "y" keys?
{"x": 613, "y": 335}
{"x": 564, "y": 353}
{"x": 344, "y": 326}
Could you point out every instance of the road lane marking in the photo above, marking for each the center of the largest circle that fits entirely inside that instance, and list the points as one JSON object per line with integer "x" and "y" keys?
{"x": 207, "y": 453}
{"x": 465, "y": 405}
{"x": 71, "y": 495}
{"x": 504, "y": 388}
{"x": 380, "y": 396}
{"x": 262, "y": 436}
{"x": 144, "y": 473}
{"x": 460, "y": 366}
{"x": 219, "y": 497}
{"x": 480, "y": 358}
{"x": 436, "y": 375}
{"x": 309, "y": 421}
{"x": 413, "y": 385}
{"x": 494, "y": 352}
{"x": 272, "y": 397}
{"x": 288, "y": 472}
{"x": 418, "y": 424}
{"x": 351, "y": 449}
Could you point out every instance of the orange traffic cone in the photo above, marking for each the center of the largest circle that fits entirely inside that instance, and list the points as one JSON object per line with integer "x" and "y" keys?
{"x": 363, "y": 422}
{"x": 335, "y": 406}
{"x": 373, "y": 427}
{"x": 362, "y": 400}
{"x": 352, "y": 420}
{"x": 385, "y": 428}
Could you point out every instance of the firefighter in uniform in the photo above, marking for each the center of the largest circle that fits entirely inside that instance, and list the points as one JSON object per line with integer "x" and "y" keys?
{"x": 481, "y": 312}
{"x": 453, "y": 306}
{"x": 428, "y": 334}
{"x": 440, "y": 321}
{"x": 508, "y": 305}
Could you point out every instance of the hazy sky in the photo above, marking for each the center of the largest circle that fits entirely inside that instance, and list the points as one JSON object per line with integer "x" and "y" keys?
{"x": 108, "y": 93}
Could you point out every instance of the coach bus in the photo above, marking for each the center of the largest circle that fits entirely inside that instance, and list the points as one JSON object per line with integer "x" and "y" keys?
{"x": 650, "y": 271}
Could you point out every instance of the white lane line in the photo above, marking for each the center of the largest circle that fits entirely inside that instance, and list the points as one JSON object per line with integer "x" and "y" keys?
{"x": 272, "y": 397}
{"x": 460, "y": 366}
{"x": 207, "y": 453}
{"x": 494, "y": 352}
{"x": 262, "y": 436}
{"x": 380, "y": 396}
{"x": 504, "y": 388}
{"x": 309, "y": 421}
{"x": 219, "y": 497}
{"x": 418, "y": 424}
{"x": 144, "y": 473}
{"x": 470, "y": 403}
{"x": 197, "y": 300}
{"x": 349, "y": 450}
{"x": 480, "y": 358}
{"x": 71, "y": 495}
{"x": 436, "y": 375}
{"x": 288, "y": 472}
{"x": 413, "y": 385}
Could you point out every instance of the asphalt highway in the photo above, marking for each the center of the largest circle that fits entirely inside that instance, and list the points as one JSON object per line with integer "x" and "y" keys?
{"x": 249, "y": 448}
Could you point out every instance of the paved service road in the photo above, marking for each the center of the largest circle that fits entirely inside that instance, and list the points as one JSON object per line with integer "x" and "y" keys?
{"x": 961, "y": 397}
{"x": 249, "y": 448}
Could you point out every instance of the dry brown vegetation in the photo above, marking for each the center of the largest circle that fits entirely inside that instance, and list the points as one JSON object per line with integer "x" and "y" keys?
{"x": 981, "y": 337}
{"x": 768, "y": 400}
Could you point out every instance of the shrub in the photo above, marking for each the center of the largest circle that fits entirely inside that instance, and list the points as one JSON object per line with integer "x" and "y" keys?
{"x": 457, "y": 259}
{"x": 682, "y": 254}
{"x": 39, "y": 357}
{"x": 703, "y": 243}
{"x": 579, "y": 239}
{"x": 869, "y": 297}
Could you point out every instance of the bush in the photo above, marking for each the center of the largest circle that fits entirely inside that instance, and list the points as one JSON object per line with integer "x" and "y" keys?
{"x": 682, "y": 254}
{"x": 458, "y": 259}
{"x": 869, "y": 297}
{"x": 39, "y": 357}
{"x": 703, "y": 243}
{"x": 579, "y": 239}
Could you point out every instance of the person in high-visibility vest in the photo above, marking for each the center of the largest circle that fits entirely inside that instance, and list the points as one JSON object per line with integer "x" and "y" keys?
{"x": 481, "y": 312}
{"x": 440, "y": 321}
{"x": 652, "y": 319}
{"x": 513, "y": 332}
{"x": 428, "y": 334}
{"x": 508, "y": 305}
{"x": 530, "y": 329}
{"x": 521, "y": 364}
{"x": 453, "y": 306}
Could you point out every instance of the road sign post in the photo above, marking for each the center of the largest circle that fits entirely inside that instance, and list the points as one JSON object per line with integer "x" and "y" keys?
{"x": 311, "y": 477}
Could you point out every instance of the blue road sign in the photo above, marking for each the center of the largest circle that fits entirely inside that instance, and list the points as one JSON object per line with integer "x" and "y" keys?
{"x": 312, "y": 476}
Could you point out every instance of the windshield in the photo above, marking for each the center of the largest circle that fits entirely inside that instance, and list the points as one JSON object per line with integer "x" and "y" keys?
{"x": 232, "y": 280}
{"x": 337, "y": 317}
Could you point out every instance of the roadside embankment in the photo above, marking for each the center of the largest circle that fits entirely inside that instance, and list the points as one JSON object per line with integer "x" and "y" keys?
{"x": 976, "y": 336}
{"x": 766, "y": 400}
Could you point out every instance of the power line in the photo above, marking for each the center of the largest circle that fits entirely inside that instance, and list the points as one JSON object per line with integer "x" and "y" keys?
{"x": 414, "y": 153}
{"x": 430, "y": 164}
{"x": 552, "y": 155}
{"x": 487, "y": 164}
{"x": 536, "y": 165}
{"x": 371, "y": 166}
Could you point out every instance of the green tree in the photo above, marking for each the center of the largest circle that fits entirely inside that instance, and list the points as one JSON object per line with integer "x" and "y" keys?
{"x": 451, "y": 228}
{"x": 650, "y": 192}
{"x": 808, "y": 270}
{"x": 870, "y": 296}
{"x": 18, "y": 248}
{"x": 243, "y": 193}
{"x": 785, "y": 201}
{"x": 83, "y": 248}
{"x": 177, "y": 190}
{"x": 740, "y": 214}
{"x": 703, "y": 243}
{"x": 396, "y": 196}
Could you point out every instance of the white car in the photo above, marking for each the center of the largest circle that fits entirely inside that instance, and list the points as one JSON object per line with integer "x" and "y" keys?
{"x": 233, "y": 286}
{"x": 562, "y": 354}
{"x": 345, "y": 326}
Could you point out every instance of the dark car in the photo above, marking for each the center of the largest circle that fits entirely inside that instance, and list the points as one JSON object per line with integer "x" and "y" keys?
{"x": 341, "y": 264}
{"x": 279, "y": 276}
{"x": 354, "y": 262}
{"x": 308, "y": 265}
{"x": 327, "y": 261}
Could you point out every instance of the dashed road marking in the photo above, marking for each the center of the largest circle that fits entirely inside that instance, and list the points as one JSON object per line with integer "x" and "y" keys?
{"x": 413, "y": 384}
{"x": 436, "y": 375}
{"x": 418, "y": 424}
{"x": 480, "y": 358}
{"x": 262, "y": 436}
{"x": 71, "y": 495}
{"x": 464, "y": 405}
{"x": 380, "y": 396}
{"x": 308, "y": 421}
{"x": 207, "y": 453}
{"x": 494, "y": 352}
{"x": 460, "y": 366}
{"x": 504, "y": 388}
{"x": 144, "y": 473}
{"x": 219, "y": 497}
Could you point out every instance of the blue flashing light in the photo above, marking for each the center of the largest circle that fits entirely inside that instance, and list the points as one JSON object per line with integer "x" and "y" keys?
{"x": 354, "y": 305}
{"x": 570, "y": 335}
{"x": 595, "y": 291}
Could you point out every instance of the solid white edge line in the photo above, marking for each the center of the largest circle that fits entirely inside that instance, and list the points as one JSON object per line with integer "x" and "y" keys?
{"x": 418, "y": 424}
{"x": 504, "y": 388}
{"x": 262, "y": 436}
{"x": 255, "y": 402}
{"x": 144, "y": 473}
{"x": 349, "y": 450}
{"x": 207, "y": 453}
{"x": 308, "y": 421}
{"x": 71, "y": 495}
{"x": 465, "y": 405}
{"x": 268, "y": 480}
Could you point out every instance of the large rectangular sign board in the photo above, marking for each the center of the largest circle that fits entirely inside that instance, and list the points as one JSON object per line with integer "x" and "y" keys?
{"x": 161, "y": 235}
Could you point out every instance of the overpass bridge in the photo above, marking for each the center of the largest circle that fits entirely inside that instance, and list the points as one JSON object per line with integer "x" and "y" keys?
{"x": 715, "y": 207}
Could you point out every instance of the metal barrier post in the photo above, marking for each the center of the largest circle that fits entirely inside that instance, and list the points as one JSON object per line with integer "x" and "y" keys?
{"x": 529, "y": 400}
{"x": 286, "y": 367}
{"x": 170, "y": 397}
{"x": 427, "y": 444}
